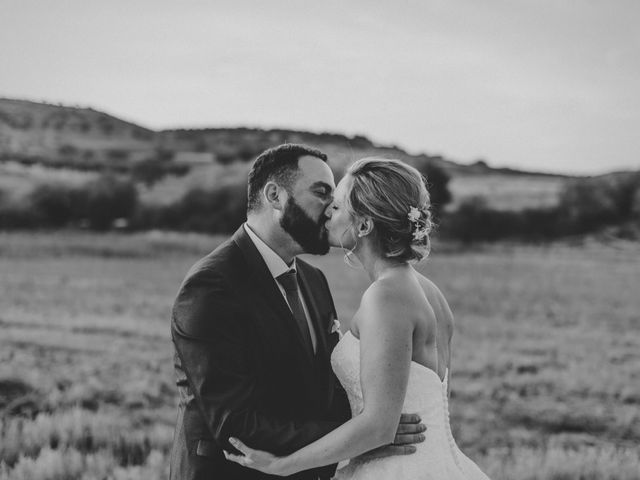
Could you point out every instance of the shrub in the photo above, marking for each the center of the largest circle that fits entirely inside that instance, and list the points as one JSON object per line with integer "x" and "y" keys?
{"x": 148, "y": 171}
{"x": 589, "y": 204}
{"x": 437, "y": 184}
{"x": 586, "y": 205}
{"x": 57, "y": 204}
{"x": 117, "y": 154}
{"x": 14, "y": 217}
{"x": 475, "y": 221}
{"x": 217, "y": 210}
{"x": 67, "y": 150}
{"x": 107, "y": 199}
{"x": 97, "y": 203}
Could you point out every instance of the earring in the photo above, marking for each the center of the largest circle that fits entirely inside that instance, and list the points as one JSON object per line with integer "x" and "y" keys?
{"x": 348, "y": 260}
{"x": 348, "y": 254}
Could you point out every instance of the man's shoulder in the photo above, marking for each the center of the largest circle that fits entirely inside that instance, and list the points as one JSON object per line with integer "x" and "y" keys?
{"x": 213, "y": 278}
{"x": 220, "y": 263}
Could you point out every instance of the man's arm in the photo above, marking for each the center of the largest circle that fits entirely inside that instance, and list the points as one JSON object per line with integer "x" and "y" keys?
{"x": 213, "y": 341}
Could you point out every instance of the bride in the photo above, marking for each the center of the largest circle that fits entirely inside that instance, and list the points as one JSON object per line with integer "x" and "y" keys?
{"x": 396, "y": 355}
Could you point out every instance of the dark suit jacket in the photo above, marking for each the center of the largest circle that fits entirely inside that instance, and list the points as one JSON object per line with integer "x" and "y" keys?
{"x": 242, "y": 367}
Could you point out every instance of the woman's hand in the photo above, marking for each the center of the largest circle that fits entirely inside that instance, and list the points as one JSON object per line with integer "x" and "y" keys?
{"x": 256, "y": 459}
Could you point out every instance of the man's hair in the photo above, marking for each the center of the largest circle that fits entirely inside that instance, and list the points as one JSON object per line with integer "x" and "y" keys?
{"x": 278, "y": 164}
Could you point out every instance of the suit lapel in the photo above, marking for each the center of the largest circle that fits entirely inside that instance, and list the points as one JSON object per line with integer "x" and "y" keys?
{"x": 266, "y": 284}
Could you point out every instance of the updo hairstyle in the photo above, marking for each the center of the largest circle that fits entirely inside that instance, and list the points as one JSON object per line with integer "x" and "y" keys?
{"x": 395, "y": 197}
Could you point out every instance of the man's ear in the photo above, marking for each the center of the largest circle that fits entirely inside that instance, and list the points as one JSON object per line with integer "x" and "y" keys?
{"x": 274, "y": 195}
{"x": 365, "y": 227}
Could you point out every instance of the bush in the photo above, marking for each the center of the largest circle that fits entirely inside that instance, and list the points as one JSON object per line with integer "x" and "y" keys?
{"x": 97, "y": 203}
{"x": 475, "y": 221}
{"x": 57, "y": 204}
{"x": 437, "y": 184}
{"x": 218, "y": 210}
{"x": 13, "y": 216}
{"x": 592, "y": 203}
{"x": 107, "y": 199}
{"x": 153, "y": 169}
{"x": 586, "y": 205}
{"x": 148, "y": 171}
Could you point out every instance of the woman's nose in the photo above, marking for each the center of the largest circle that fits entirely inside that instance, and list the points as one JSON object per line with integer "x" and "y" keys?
{"x": 327, "y": 211}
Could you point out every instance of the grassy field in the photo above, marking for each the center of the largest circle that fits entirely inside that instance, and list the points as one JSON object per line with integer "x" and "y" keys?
{"x": 546, "y": 367}
{"x": 507, "y": 192}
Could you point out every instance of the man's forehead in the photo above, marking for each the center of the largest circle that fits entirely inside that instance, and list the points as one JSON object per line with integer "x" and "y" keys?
{"x": 313, "y": 170}
{"x": 342, "y": 184}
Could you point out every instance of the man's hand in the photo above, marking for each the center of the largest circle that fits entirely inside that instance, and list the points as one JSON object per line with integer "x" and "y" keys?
{"x": 408, "y": 434}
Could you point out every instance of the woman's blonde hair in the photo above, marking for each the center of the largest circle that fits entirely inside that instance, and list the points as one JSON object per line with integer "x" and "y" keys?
{"x": 395, "y": 197}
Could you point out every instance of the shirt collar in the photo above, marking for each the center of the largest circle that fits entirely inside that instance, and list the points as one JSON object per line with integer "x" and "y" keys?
{"x": 274, "y": 262}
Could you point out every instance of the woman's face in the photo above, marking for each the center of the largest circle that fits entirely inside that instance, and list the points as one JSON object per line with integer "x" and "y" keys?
{"x": 341, "y": 224}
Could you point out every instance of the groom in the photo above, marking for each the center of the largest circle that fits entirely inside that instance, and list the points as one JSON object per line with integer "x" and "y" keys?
{"x": 253, "y": 329}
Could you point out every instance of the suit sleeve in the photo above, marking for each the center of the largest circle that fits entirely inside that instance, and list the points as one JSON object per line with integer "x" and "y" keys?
{"x": 213, "y": 339}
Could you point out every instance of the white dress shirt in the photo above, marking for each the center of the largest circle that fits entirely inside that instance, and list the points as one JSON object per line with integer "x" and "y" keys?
{"x": 277, "y": 267}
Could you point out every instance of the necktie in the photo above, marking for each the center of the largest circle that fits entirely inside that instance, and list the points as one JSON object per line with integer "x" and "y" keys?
{"x": 289, "y": 282}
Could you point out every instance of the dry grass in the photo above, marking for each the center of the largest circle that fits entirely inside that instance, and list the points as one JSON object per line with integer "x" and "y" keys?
{"x": 507, "y": 192}
{"x": 545, "y": 371}
{"x": 18, "y": 180}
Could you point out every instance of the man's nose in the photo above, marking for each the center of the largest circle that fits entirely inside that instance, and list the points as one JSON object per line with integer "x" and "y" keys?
{"x": 327, "y": 210}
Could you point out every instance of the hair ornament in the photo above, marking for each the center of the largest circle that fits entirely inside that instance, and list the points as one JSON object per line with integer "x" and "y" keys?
{"x": 419, "y": 226}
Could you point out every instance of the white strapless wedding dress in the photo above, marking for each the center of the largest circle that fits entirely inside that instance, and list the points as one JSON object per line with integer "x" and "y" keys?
{"x": 438, "y": 457}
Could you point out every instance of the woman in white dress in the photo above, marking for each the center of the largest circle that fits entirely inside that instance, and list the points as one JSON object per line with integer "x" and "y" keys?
{"x": 396, "y": 355}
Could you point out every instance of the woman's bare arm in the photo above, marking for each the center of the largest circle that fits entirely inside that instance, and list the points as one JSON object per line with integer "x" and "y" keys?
{"x": 385, "y": 325}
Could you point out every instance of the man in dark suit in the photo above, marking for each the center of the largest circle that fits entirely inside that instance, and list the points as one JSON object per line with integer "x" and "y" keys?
{"x": 253, "y": 328}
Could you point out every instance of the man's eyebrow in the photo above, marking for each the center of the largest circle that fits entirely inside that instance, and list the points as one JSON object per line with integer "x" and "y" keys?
{"x": 322, "y": 184}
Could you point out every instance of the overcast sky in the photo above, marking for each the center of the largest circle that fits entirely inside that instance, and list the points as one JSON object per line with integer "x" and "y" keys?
{"x": 542, "y": 85}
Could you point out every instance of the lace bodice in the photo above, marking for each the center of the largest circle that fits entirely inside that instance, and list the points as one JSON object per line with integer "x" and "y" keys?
{"x": 438, "y": 457}
{"x": 426, "y": 393}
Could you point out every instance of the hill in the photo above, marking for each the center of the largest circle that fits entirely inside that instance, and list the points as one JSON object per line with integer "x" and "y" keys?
{"x": 47, "y": 133}
{"x": 58, "y": 133}
{"x": 81, "y": 138}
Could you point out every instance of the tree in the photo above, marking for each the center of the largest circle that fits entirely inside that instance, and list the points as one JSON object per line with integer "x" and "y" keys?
{"x": 109, "y": 198}
{"x": 148, "y": 171}
{"x": 56, "y": 204}
{"x": 587, "y": 204}
{"x": 437, "y": 183}
{"x": 218, "y": 210}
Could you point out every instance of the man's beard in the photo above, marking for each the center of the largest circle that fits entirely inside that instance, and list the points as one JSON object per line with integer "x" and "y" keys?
{"x": 312, "y": 236}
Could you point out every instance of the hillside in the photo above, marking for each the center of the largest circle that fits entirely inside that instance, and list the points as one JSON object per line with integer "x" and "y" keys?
{"x": 82, "y": 138}
{"x": 51, "y": 133}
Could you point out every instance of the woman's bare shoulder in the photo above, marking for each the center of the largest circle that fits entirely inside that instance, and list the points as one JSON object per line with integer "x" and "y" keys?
{"x": 437, "y": 300}
{"x": 391, "y": 298}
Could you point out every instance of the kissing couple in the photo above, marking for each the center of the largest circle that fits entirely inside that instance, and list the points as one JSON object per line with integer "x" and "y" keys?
{"x": 268, "y": 385}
